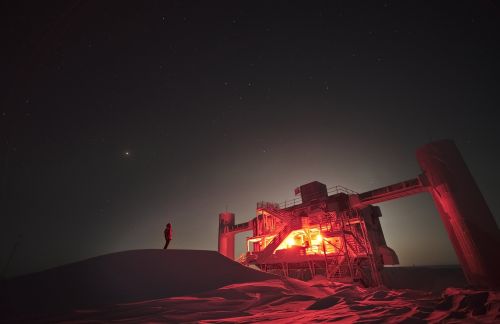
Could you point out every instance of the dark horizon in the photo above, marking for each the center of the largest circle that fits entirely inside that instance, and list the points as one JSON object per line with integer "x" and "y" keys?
{"x": 119, "y": 118}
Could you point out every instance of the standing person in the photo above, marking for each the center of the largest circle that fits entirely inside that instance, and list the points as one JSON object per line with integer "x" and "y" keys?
{"x": 168, "y": 235}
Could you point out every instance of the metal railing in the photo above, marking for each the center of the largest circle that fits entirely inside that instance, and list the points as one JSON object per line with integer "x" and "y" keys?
{"x": 298, "y": 200}
{"x": 268, "y": 205}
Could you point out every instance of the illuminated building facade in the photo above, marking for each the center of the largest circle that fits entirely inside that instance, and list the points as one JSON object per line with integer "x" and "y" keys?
{"x": 318, "y": 233}
{"x": 336, "y": 232}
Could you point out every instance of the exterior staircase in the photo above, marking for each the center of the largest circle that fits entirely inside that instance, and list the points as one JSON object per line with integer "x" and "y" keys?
{"x": 338, "y": 268}
{"x": 273, "y": 245}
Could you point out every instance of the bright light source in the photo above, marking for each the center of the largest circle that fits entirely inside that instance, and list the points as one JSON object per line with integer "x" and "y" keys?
{"x": 317, "y": 240}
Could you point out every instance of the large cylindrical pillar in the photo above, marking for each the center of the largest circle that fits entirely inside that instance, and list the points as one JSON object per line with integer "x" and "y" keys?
{"x": 464, "y": 212}
{"x": 226, "y": 239}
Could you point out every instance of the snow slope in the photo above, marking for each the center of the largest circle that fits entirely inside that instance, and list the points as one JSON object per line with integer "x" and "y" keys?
{"x": 157, "y": 286}
{"x": 122, "y": 277}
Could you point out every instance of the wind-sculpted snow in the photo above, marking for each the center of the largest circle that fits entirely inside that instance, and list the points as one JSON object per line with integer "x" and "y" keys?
{"x": 217, "y": 290}
{"x": 292, "y": 301}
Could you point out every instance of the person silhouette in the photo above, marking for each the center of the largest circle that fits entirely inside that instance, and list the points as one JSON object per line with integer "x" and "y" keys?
{"x": 168, "y": 235}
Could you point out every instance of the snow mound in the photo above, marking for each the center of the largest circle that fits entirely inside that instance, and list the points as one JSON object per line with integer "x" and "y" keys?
{"x": 178, "y": 286}
{"x": 122, "y": 277}
{"x": 292, "y": 301}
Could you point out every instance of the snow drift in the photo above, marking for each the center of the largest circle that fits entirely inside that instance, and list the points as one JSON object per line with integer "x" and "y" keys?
{"x": 203, "y": 286}
{"x": 293, "y": 301}
{"x": 122, "y": 277}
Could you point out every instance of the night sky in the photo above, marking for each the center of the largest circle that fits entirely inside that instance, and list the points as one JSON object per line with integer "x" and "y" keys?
{"x": 117, "y": 118}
